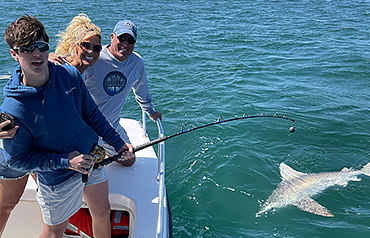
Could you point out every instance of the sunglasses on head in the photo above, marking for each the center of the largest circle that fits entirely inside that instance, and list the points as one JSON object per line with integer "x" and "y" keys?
{"x": 87, "y": 46}
{"x": 42, "y": 45}
{"x": 123, "y": 38}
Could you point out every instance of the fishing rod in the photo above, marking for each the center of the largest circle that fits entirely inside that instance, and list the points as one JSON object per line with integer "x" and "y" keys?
{"x": 161, "y": 139}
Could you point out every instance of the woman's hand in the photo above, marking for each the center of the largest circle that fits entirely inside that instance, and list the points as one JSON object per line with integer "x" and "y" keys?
{"x": 56, "y": 59}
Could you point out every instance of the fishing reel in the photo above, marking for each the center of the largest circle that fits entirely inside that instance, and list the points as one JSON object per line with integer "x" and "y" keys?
{"x": 98, "y": 153}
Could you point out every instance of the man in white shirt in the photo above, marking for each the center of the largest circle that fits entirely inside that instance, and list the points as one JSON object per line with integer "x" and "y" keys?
{"x": 118, "y": 70}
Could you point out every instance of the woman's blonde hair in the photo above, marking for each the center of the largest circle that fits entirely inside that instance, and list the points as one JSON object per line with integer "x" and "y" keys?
{"x": 79, "y": 29}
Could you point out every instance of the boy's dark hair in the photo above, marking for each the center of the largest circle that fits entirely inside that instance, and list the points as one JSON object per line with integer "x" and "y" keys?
{"x": 25, "y": 31}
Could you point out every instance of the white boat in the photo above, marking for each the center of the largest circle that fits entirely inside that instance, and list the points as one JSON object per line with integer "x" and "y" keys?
{"x": 138, "y": 191}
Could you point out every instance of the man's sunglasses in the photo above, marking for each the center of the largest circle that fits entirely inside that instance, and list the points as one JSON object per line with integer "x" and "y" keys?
{"x": 42, "y": 45}
{"x": 87, "y": 46}
{"x": 123, "y": 38}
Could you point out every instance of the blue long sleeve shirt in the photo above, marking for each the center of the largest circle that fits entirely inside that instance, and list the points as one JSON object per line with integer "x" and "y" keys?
{"x": 54, "y": 120}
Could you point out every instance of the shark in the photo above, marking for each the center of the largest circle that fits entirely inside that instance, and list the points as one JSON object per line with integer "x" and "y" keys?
{"x": 297, "y": 188}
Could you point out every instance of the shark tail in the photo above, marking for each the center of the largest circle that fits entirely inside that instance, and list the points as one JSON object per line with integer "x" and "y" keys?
{"x": 366, "y": 169}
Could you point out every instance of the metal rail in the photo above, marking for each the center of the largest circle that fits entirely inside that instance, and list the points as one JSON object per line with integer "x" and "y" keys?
{"x": 161, "y": 230}
{"x": 160, "y": 177}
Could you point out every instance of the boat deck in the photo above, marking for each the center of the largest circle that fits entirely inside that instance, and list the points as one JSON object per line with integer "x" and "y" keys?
{"x": 138, "y": 183}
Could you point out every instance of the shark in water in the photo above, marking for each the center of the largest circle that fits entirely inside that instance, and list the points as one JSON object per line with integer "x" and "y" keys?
{"x": 297, "y": 188}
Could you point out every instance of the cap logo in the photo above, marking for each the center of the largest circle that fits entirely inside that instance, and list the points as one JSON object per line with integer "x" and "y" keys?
{"x": 128, "y": 25}
{"x": 125, "y": 26}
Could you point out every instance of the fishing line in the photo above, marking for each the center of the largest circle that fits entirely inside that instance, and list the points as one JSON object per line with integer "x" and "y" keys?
{"x": 161, "y": 139}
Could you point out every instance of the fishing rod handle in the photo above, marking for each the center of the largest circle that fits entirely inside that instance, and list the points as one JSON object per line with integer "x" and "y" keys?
{"x": 85, "y": 178}
{"x": 135, "y": 149}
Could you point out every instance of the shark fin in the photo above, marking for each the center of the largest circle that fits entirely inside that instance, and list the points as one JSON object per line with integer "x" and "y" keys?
{"x": 355, "y": 179}
{"x": 366, "y": 169}
{"x": 307, "y": 204}
{"x": 287, "y": 172}
{"x": 343, "y": 184}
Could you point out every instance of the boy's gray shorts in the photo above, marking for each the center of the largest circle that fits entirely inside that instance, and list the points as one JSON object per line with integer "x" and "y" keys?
{"x": 59, "y": 202}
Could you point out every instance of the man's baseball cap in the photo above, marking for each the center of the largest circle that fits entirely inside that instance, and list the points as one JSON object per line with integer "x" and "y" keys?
{"x": 125, "y": 26}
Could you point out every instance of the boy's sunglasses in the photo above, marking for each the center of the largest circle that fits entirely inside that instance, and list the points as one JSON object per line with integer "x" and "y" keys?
{"x": 42, "y": 45}
{"x": 123, "y": 38}
{"x": 87, "y": 46}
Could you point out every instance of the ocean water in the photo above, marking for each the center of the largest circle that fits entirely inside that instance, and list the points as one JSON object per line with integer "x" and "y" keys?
{"x": 306, "y": 59}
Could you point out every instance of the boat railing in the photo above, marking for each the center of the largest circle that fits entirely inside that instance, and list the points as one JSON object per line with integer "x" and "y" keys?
{"x": 143, "y": 115}
{"x": 160, "y": 178}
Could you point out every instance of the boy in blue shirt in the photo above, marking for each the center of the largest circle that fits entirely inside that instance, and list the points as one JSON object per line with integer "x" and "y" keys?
{"x": 59, "y": 124}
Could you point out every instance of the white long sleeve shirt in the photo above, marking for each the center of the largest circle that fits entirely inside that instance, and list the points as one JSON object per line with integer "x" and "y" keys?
{"x": 110, "y": 81}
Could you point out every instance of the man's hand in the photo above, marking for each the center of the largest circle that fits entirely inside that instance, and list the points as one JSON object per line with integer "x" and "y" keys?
{"x": 156, "y": 115}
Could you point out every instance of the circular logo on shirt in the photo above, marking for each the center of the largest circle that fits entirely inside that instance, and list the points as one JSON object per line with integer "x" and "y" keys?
{"x": 114, "y": 83}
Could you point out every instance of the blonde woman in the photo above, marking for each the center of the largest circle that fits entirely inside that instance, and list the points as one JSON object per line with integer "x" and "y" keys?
{"x": 79, "y": 46}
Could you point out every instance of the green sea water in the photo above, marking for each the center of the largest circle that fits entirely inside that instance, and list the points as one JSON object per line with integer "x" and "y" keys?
{"x": 307, "y": 59}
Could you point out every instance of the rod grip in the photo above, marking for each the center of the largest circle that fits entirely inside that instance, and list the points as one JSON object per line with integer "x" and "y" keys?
{"x": 85, "y": 178}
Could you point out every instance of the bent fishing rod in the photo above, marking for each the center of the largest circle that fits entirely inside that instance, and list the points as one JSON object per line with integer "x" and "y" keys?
{"x": 161, "y": 139}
